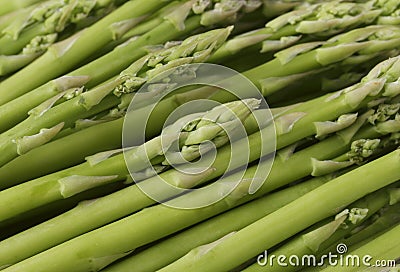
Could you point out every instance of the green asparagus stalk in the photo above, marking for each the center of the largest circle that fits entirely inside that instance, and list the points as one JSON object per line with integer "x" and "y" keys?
{"x": 50, "y": 17}
{"x": 220, "y": 164}
{"x": 169, "y": 250}
{"x": 95, "y": 139}
{"x": 323, "y": 19}
{"x": 383, "y": 248}
{"x": 88, "y": 217}
{"x": 175, "y": 24}
{"x": 78, "y": 254}
{"x": 389, "y": 218}
{"x": 302, "y": 212}
{"x": 10, "y": 6}
{"x": 16, "y": 15}
{"x": 73, "y": 50}
{"x": 12, "y": 115}
{"x": 310, "y": 242}
{"x": 31, "y": 133}
{"x": 98, "y": 171}
{"x": 296, "y": 62}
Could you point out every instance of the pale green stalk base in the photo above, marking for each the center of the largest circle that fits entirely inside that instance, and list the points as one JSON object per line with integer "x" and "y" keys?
{"x": 62, "y": 57}
{"x": 7, "y": 6}
{"x": 167, "y": 251}
{"x": 301, "y": 214}
{"x": 385, "y": 247}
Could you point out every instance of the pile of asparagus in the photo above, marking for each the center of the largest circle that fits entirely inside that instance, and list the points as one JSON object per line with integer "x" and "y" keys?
{"x": 115, "y": 155}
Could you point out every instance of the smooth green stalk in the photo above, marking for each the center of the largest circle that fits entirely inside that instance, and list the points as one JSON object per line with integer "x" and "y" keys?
{"x": 277, "y": 177}
{"x": 50, "y": 17}
{"x": 95, "y": 72}
{"x": 79, "y": 254}
{"x": 314, "y": 21}
{"x": 141, "y": 29}
{"x": 100, "y": 170}
{"x": 167, "y": 251}
{"x": 82, "y": 105}
{"x": 94, "y": 139}
{"x": 65, "y": 55}
{"x": 10, "y": 6}
{"x": 301, "y": 213}
{"x": 17, "y": 15}
{"x": 383, "y": 248}
{"x": 131, "y": 199}
{"x": 352, "y": 47}
{"x": 81, "y": 47}
{"x": 311, "y": 241}
{"x": 388, "y": 219}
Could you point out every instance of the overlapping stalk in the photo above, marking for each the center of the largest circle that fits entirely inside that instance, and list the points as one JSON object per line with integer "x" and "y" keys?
{"x": 10, "y": 6}
{"x": 310, "y": 22}
{"x": 328, "y": 233}
{"x": 215, "y": 126}
{"x": 28, "y": 37}
{"x": 210, "y": 230}
{"x": 383, "y": 248}
{"x": 63, "y": 57}
{"x": 46, "y": 121}
{"x": 302, "y": 212}
{"x": 132, "y": 199}
{"x": 114, "y": 245}
{"x": 299, "y": 61}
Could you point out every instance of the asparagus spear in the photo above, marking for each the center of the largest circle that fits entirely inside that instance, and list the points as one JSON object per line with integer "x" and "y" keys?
{"x": 221, "y": 98}
{"x": 97, "y": 138}
{"x": 302, "y": 212}
{"x": 78, "y": 47}
{"x": 50, "y": 17}
{"x": 78, "y": 254}
{"x": 18, "y": 140}
{"x": 311, "y": 241}
{"x": 296, "y": 62}
{"x": 388, "y": 218}
{"x": 277, "y": 178}
{"x": 323, "y": 19}
{"x": 88, "y": 217}
{"x": 175, "y": 24}
{"x": 10, "y": 6}
{"x": 97, "y": 172}
{"x": 167, "y": 251}
{"x": 385, "y": 247}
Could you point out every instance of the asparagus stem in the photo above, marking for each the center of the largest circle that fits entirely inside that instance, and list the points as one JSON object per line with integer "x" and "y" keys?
{"x": 383, "y": 248}
{"x": 47, "y": 234}
{"x": 311, "y": 241}
{"x": 388, "y": 219}
{"x": 98, "y": 138}
{"x": 141, "y": 29}
{"x": 85, "y": 176}
{"x": 302, "y": 213}
{"x": 114, "y": 245}
{"x": 173, "y": 26}
{"x": 50, "y": 17}
{"x": 96, "y": 72}
{"x": 323, "y": 19}
{"x": 65, "y": 55}
{"x": 167, "y": 251}
{"x": 10, "y": 6}
{"x": 135, "y": 199}
{"x": 303, "y": 58}
{"x": 196, "y": 48}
